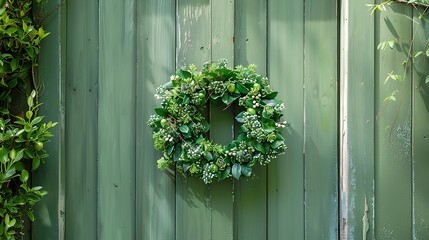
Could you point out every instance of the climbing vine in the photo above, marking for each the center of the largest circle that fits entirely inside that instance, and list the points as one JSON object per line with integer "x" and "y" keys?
{"x": 412, "y": 56}
{"x": 22, "y": 131}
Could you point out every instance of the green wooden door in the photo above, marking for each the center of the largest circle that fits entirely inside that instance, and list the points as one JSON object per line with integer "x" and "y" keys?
{"x": 349, "y": 155}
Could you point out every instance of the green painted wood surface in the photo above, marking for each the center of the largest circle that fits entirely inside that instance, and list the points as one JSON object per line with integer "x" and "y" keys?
{"x": 250, "y": 196}
{"x": 320, "y": 121}
{"x": 420, "y": 133}
{"x": 222, "y": 121}
{"x": 360, "y": 119}
{"x": 117, "y": 54}
{"x": 117, "y": 120}
{"x": 155, "y": 190}
{"x": 393, "y": 133}
{"x": 193, "y": 43}
{"x": 286, "y": 72}
{"x": 50, "y": 211}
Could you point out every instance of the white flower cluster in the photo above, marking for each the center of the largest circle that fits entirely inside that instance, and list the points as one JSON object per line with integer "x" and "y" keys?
{"x": 281, "y": 124}
{"x": 254, "y": 126}
{"x": 152, "y": 120}
{"x": 208, "y": 175}
{"x": 217, "y": 87}
{"x": 160, "y": 92}
{"x": 195, "y": 152}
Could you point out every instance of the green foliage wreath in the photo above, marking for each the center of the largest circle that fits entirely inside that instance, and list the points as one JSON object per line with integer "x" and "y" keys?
{"x": 180, "y": 129}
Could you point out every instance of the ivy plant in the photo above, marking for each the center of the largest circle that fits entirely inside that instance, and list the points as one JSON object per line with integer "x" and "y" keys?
{"x": 23, "y": 133}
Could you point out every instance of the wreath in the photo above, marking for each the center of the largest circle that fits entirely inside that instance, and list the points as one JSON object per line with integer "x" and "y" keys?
{"x": 180, "y": 130}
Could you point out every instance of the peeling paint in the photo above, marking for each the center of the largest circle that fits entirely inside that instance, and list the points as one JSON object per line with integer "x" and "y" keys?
{"x": 365, "y": 222}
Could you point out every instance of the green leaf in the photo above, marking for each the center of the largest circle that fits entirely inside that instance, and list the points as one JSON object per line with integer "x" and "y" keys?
{"x": 29, "y": 50}
{"x": 11, "y": 30}
{"x": 19, "y": 155}
{"x": 36, "y": 120}
{"x": 186, "y": 167}
{"x": 30, "y": 215}
{"x": 19, "y": 166}
{"x": 187, "y": 135}
{"x": 240, "y": 118}
{"x": 41, "y": 32}
{"x": 224, "y": 174}
{"x": 27, "y": 127}
{"x": 260, "y": 147}
{"x": 184, "y": 128}
{"x": 246, "y": 170}
{"x": 276, "y": 144}
{"x": 270, "y": 102}
{"x": 271, "y": 95}
{"x": 34, "y": 197}
{"x": 241, "y": 88}
{"x": 14, "y": 64}
{"x": 4, "y": 155}
{"x": 186, "y": 100}
{"x": 228, "y": 99}
{"x": 35, "y": 164}
{"x": 236, "y": 170}
{"x": 161, "y": 112}
{"x": 183, "y": 73}
{"x": 268, "y": 125}
{"x": 29, "y": 114}
{"x": 266, "y": 115}
{"x": 177, "y": 152}
{"x": 24, "y": 176}
{"x": 206, "y": 126}
{"x": 279, "y": 137}
{"x": 170, "y": 149}
{"x": 208, "y": 156}
{"x": 30, "y": 101}
{"x": 4, "y": 111}
{"x": 10, "y": 172}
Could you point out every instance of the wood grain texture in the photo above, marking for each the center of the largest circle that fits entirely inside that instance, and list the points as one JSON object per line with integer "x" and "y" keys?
{"x": 116, "y": 121}
{"x": 320, "y": 104}
{"x": 393, "y": 130}
{"x": 286, "y": 73}
{"x": 81, "y": 120}
{"x": 420, "y": 132}
{"x": 222, "y": 121}
{"x": 49, "y": 212}
{"x": 193, "y": 43}
{"x": 358, "y": 115}
{"x": 155, "y": 190}
{"x": 250, "y": 213}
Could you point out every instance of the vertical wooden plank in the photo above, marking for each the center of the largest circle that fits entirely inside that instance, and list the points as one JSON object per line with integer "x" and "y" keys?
{"x": 223, "y": 30}
{"x": 49, "y": 212}
{"x": 155, "y": 190}
{"x": 393, "y": 130}
{"x": 116, "y": 120}
{"x": 193, "y": 215}
{"x": 420, "y": 132}
{"x": 81, "y": 120}
{"x": 250, "y": 198}
{"x": 222, "y": 121}
{"x": 357, "y": 118}
{"x": 286, "y": 73}
{"x": 320, "y": 121}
